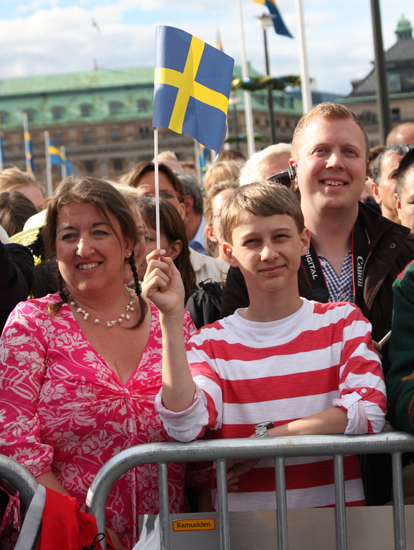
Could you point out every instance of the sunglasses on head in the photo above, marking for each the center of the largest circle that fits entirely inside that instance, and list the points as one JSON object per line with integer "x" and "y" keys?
{"x": 285, "y": 177}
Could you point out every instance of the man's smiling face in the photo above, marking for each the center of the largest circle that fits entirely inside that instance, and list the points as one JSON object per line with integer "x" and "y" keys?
{"x": 331, "y": 164}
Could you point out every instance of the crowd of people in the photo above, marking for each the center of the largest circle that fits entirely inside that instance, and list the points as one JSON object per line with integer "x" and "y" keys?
{"x": 259, "y": 316}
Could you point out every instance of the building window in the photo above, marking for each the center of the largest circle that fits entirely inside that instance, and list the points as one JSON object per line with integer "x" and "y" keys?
{"x": 395, "y": 114}
{"x": 3, "y": 117}
{"x": 85, "y": 110}
{"x": 292, "y": 102}
{"x": 30, "y": 114}
{"x": 231, "y": 125}
{"x": 114, "y": 107}
{"x": 87, "y": 136}
{"x": 368, "y": 117}
{"x": 143, "y": 130}
{"x": 89, "y": 166}
{"x": 115, "y": 134}
{"x": 118, "y": 165}
{"x": 57, "y": 112}
{"x": 282, "y": 101}
{"x": 257, "y": 122}
{"x": 394, "y": 83}
{"x": 142, "y": 105}
{"x": 58, "y": 139}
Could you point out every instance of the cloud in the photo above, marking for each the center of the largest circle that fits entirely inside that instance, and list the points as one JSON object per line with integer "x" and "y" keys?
{"x": 60, "y": 37}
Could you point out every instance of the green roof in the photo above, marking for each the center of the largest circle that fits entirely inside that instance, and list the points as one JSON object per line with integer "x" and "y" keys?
{"x": 91, "y": 80}
{"x": 403, "y": 25}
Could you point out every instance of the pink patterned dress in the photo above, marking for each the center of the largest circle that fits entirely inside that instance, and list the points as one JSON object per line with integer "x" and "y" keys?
{"x": 62, "y": 408}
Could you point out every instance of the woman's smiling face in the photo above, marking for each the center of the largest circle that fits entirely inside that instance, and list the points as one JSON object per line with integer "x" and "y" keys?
{"x": 91, "y": 255}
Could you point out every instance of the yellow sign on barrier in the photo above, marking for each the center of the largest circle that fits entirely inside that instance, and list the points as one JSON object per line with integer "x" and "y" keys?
{"x": 194, "y": 525}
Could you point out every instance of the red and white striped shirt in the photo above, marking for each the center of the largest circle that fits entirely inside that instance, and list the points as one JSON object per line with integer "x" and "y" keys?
{"x": 247, "y": 372}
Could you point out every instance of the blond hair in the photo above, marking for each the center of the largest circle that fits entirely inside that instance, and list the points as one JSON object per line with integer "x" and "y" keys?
{"x": 11, "y": 179}
{"x": 256, "y": 168}
{"x": 328, "y": 111}
{"x": 226, "y": 170}
{"x": 260, "y": 199}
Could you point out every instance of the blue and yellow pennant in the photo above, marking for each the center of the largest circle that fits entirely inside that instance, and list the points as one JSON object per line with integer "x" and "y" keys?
{"x": 278, "y": 23}
{"x": 58, "y": 158}
{"x": 28, "y": 149}
{"x": 191, "y": 87}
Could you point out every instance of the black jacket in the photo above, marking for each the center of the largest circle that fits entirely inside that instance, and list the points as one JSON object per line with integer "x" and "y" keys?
{"x": 16, "y": 277}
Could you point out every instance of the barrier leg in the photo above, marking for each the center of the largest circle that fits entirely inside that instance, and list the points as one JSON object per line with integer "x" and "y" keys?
{"x": 223, "y": 506}
{"x": 281, "y": 513}
{"x": 164, "y": 506}
{"x": 340, "y": 506}
{"x": 398, "y": 508}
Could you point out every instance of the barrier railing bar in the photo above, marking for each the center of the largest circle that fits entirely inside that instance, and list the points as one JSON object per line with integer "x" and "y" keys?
{"x": 398, "y": 508}
{"x": 281, "y": 513}
{"x": 19, "y": 477}
{"x": 340, "y": 503}
{"x": 223, "y": 506}
{"x": 164, "y": 506}
{"x": 233, "y": 449}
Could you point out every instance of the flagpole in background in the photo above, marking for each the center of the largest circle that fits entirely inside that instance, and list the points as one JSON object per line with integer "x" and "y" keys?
{"x": 1, "y": 149}
{"x": 27, "y": 145}
{"x": 304, "y": 70}
{"x": 49, "y": 182}
{"x": 63, "y": 165}
{"x": 247, "y": 103}
{"x": 197, "y": 159}
{"x": 95, "y": 43}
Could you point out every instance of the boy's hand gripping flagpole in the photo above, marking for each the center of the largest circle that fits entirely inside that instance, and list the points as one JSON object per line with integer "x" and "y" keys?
{"x": 192, "y": 83}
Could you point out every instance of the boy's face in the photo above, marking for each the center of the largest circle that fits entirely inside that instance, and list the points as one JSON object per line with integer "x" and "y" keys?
{"x": 267, "y": 249}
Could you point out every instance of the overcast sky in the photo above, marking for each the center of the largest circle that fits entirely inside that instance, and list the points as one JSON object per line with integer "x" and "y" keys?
{"x": 39, "y": 37}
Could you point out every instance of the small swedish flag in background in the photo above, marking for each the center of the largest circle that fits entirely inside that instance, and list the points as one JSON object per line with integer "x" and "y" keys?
{"x": 191, "y": 87}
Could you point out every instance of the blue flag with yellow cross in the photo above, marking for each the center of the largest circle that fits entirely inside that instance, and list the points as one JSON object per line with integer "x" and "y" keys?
{"x": 58, "y": 157}
{"x": 191, "y": 87}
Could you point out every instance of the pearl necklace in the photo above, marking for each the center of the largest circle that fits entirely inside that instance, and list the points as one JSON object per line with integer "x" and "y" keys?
{"x": 109, "y": 324}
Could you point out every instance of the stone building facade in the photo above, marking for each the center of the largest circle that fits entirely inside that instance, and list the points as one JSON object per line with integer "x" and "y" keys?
{"x": 104, "y": 120}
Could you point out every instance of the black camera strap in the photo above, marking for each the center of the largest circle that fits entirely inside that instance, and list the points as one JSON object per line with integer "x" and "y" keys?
{"x": 314, "y": 273}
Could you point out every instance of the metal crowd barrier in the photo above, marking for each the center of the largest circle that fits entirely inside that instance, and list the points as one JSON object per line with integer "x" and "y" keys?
{"x": 394, "y": 443}
{"x": 19, "y": 477}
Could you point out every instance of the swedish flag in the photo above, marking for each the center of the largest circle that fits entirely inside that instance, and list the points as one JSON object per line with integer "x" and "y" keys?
{"x": 28, "y": 150}
{"x": 58, "y": 157}
{"x": 278, "y": 22}
{"x": 191, "y": 87}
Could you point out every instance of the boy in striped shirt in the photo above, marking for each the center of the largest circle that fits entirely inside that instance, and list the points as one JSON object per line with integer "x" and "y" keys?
{"x": 309, "y": 368}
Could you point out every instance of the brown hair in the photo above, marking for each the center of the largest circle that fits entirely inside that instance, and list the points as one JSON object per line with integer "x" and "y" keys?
{"x": 329, "y": 111}
{"x": 208, "y": 209}
{"x": 106, "y": 198}
{"x": 172, "y": 226}
{"x": 225, "y": 170}
{"x": 134, "y": 176}
{"x": 15, "y": 210}
{"x": 231, "y": 154}
{"x": 260, "y": 199}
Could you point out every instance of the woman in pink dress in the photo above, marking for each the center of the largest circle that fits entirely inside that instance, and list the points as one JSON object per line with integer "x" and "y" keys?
{"x": 80, "y": 368}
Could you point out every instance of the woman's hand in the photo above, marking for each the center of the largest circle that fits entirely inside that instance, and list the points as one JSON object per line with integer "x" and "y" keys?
{"x": 163, "y": 285}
